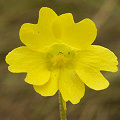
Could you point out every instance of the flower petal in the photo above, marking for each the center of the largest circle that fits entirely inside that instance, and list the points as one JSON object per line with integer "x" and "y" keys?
{"x": 23, "y": 59}
{"x": 70, "y": 86}
{"x": 79, "y": 35}
{"x": 38, "y": 36}
{"x": 38, "y": 76}
{"x": 51, "y": 87}
{"x": 98, "y": 57}
{"x": 91, "y": 77}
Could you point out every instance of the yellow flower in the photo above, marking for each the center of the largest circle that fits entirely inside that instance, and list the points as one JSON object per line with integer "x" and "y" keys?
{"x": 58, "y": 55}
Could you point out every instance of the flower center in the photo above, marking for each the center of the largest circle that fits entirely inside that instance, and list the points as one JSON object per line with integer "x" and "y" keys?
{"x": 59, "y": 60}
{"x": 59, "y": 55}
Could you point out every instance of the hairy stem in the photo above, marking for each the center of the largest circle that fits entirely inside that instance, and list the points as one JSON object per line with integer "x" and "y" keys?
{"x": 62, "y": 105}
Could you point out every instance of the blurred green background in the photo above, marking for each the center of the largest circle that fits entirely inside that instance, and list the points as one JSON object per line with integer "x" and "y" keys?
{"x": 18, "y": 100}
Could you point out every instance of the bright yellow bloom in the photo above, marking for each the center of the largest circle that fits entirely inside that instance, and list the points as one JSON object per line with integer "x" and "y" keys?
{"x": 58, "y": 55}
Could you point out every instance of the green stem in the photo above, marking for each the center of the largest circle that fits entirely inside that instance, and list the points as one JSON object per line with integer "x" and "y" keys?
{"x": 62, "y": 105}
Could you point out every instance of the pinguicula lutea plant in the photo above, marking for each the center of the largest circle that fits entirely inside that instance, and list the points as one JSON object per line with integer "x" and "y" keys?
{"x": 58, "y": 56}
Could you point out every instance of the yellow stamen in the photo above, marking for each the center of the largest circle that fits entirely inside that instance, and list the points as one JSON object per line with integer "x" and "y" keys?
{"x": 59, "y": 60}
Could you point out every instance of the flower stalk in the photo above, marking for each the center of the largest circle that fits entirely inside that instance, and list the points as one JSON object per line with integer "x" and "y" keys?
{"x": 62, "y": 106}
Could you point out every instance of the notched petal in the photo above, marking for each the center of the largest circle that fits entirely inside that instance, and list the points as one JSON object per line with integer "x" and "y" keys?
{"x": 99, "y": 57}
{"x": 92, "y": 77}
{"x": 40, "y": 35}
{"x": 70, "y": 86}
{"x": 49, "y": 88}
{"x": 38, "y": 76}
{"x": 79, "y": 35}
